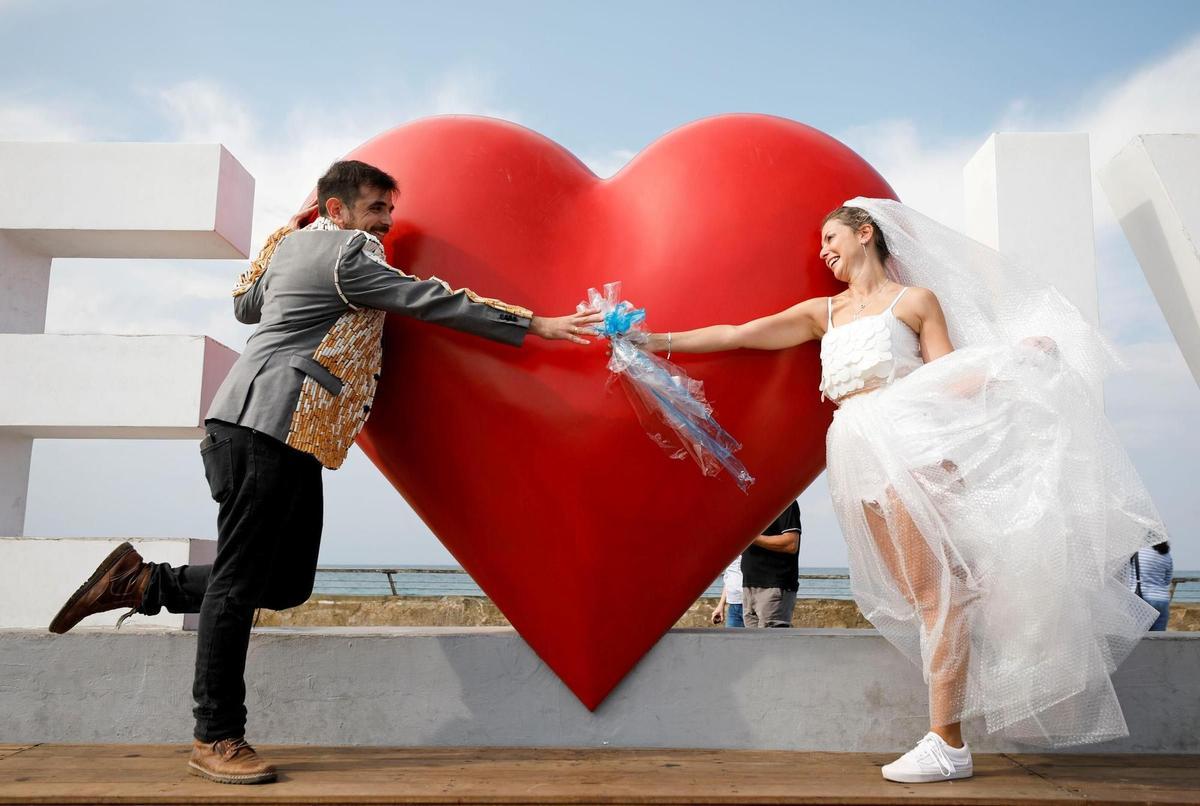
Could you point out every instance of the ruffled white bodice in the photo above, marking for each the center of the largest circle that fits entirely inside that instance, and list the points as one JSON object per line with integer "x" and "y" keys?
{"x": 866, "y": 353}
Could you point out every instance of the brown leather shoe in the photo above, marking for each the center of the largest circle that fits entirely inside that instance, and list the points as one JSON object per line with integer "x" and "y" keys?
{"x": 120, "y": 581}
{"x": 229, "y": 761}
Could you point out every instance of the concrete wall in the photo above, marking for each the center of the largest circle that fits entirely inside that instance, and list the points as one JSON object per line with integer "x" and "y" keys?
{"x": 839, "y": 690}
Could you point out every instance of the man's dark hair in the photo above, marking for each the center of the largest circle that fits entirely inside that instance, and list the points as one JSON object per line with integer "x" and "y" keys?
{"x": 345, "y": 178}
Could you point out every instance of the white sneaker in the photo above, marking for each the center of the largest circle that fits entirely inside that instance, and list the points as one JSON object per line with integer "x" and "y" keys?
{"x": 931, "y": 760}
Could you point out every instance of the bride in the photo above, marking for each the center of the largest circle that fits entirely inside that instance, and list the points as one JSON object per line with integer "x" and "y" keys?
{"x": 987, "y": 507}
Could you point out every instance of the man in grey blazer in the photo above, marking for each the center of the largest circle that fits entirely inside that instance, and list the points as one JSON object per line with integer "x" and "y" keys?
{"x": 294, "y": 401}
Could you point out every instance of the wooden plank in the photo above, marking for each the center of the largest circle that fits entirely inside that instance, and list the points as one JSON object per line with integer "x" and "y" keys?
{"x": 157, "y": 774}
{"x": 9, "y": 749}
{"x": 1145, "y": 778}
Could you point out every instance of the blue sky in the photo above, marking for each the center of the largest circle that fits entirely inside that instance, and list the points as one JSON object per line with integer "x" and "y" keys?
{"x": 915, "y": 87}
{"x": 595, "y": 75}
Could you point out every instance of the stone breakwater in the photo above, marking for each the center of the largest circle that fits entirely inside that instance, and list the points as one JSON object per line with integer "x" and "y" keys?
{"x": 474, "y": 611}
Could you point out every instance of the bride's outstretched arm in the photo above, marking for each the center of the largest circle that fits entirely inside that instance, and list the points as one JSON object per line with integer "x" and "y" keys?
{"x": 802, "y": 322}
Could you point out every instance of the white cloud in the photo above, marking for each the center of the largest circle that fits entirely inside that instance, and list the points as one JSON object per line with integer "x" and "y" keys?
{"x": 1153, "y": 407}
{"x": 201, "y": 112}
{"x": 927, "y": 176}
{"x": 38, "y": 123}
{"x": 144, "y": 296}
{"x": 1145, "y": 402}
{"x": 465, "y": 92}
{"x": 285, "y": 158}
{"x": 286, "y": 150}
{"x": 1161, "y": 97}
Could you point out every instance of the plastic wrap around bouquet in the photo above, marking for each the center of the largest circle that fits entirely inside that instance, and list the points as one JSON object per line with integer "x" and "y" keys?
{"x": 670, "y": 405}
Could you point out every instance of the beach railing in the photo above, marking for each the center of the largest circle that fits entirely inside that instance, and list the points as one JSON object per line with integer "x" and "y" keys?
{"x": 461, "y": 579}
{"x": 1177, "y": 580}
{"x": 391, "y": 572}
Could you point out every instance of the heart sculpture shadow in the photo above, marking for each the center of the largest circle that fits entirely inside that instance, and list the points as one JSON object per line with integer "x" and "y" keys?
{"x": 534, "y": 473}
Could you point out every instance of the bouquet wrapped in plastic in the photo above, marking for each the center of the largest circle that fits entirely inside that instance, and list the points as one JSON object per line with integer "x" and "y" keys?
{"x": 670, "y": 405}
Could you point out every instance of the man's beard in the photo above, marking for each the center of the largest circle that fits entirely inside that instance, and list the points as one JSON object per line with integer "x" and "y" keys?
{"x": 377, "y": 231}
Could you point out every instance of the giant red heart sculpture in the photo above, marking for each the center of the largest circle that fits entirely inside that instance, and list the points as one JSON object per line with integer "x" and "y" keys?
{"x": 535, "y": 476}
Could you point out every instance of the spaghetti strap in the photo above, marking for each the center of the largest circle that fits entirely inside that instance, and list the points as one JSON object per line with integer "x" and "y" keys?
{"x": 897, "y": 299}
{"x": 829, "y": 326}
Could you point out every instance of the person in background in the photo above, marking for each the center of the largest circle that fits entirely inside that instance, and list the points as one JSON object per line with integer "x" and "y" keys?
{"x": 1150, "y": 572}
{"x": 729, "y": 606}
{"x": 771, "y": 572}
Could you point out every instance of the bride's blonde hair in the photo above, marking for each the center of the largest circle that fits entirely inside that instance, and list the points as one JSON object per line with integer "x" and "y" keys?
{"x": 854, "y": 218}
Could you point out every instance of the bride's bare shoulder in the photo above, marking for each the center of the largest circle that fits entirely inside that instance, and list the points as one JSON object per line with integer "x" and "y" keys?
{"x": 921, "y": 297}
{"x": 919, "y": 307}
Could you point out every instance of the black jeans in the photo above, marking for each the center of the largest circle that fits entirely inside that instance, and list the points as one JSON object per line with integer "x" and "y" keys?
{"x": 268, "y": 537}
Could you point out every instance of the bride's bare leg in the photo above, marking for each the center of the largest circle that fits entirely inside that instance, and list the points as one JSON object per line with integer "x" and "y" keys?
{"x": 918, "y": 574}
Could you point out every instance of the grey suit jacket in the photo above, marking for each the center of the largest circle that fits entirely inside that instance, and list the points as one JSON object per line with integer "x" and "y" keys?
{"x": 314, "y": 281}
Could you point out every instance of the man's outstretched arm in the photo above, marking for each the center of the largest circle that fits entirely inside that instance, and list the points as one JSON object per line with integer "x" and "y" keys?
{"x": 365, "y": 280}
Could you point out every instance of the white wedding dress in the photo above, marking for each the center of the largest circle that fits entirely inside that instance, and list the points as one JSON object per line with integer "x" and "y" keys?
{"x": 987, "y": 506}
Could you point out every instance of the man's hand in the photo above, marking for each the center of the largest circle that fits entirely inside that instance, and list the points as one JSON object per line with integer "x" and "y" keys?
{"x": 304, "y": 217}
{"x": 571, "y": 327}
{"x": 718, "y": 614}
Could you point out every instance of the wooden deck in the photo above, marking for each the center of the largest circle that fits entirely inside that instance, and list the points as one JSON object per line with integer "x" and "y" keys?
{"x": 157, "y": 774}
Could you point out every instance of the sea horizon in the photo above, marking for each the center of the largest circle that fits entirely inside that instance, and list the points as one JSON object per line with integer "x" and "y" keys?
{"x": 341, "y": 579}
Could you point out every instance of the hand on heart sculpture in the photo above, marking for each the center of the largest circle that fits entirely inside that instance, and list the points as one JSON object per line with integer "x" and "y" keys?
{"x": 533, "y": 472}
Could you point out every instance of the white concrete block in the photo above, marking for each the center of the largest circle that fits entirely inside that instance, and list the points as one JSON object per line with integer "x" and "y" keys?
{"x": 1030, "y": 197}
{"x": 109, "y": 387}
{"x": 15, "y": 453}
{"x": 134, "y": 200}
{"x": 1153, "y": 185}
{"x": 24, "y": 284}
{"x": 37, "y": 574}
